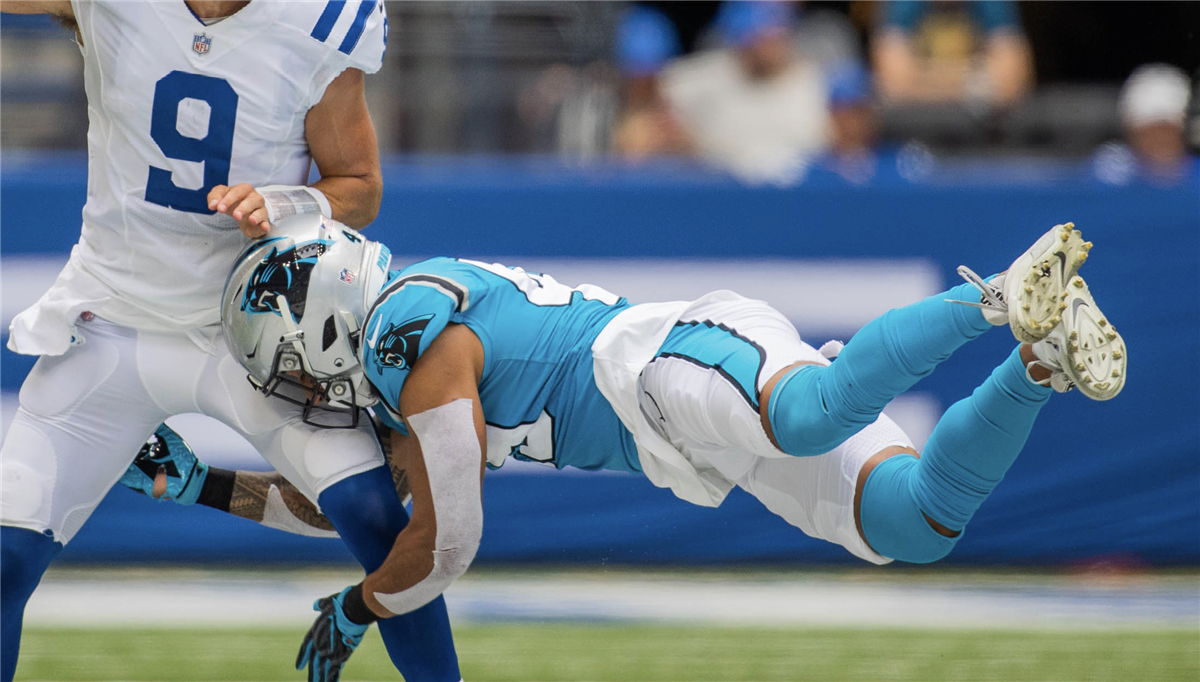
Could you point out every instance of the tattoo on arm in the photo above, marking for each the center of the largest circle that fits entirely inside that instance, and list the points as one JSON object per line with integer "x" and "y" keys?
{"x": 399, "y": 475}
{"x": 249, "y": 500}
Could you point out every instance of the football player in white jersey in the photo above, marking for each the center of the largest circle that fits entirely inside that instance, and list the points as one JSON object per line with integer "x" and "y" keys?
{"x": 205, "y": 118}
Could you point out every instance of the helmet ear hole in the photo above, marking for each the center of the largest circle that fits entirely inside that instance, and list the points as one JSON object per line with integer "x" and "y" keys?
{"x": 329, "y": 334}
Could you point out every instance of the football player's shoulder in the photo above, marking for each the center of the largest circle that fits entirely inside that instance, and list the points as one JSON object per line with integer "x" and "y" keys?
{"x": 349, "y": 33}
{"x": 446, "y": 277}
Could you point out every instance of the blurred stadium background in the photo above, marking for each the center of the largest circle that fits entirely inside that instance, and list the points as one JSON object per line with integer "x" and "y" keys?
{"x": 591, "y": 140}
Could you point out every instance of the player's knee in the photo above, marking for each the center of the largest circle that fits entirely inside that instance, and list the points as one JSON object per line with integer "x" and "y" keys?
{"x": 800, "y": 419}
{"x": 367, "y": 513}
{"x": 892, "y": 522}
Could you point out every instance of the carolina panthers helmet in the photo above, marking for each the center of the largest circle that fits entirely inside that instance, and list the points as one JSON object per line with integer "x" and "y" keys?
{"x": 292, "y": 314}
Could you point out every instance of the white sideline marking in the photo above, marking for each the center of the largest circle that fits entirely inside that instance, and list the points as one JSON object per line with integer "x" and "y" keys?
{"x": 188, "y": 599}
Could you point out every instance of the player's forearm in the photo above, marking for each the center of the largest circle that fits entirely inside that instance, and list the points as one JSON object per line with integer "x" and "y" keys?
{"x": 415, "y": 573}
{"x": 265, "y": 498}
{"x": 354, "y": 199}
{"x": 257, "y": 496}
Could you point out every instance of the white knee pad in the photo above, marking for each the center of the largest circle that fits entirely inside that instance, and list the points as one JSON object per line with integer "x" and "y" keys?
{"x": 27, "y": 490}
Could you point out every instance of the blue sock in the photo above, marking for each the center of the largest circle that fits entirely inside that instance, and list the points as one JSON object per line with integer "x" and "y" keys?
{"x": 814, "y": 409}
{"x": 24, "y": 557}
{"x": 968, "y": 453}
{"x": 368, "y": 514}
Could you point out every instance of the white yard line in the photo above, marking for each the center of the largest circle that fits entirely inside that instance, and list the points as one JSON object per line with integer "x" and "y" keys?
{"x": 191, "y": 599}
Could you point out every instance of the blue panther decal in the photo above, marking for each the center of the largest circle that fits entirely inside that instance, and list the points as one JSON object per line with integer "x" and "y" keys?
{"x": 399, "y": 344}
{"x": 283, "y": 273}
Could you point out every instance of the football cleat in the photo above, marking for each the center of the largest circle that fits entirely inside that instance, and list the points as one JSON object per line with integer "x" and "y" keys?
{"x": 1084, "y": 350}
{"x": 166, "y": 452}
{"x": 1029, "y": 295}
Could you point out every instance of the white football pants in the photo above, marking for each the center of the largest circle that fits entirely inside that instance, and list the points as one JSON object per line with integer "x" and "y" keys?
{"x": 83, "y": 416}
{"x": 701, "y": 395}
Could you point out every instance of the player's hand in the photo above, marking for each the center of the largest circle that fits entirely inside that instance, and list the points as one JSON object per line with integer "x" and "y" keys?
{"x": 330, "y": 640}
{"x": 243, "y": 203}
{"x": 166, "y": 468}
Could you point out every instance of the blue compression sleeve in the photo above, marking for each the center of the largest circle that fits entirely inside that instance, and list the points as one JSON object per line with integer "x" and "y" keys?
{"x": 814, "y": 409}
{"x": 970, "y": 450}
{"x": 368, "y": 514}
{"x": 24, "y": 557}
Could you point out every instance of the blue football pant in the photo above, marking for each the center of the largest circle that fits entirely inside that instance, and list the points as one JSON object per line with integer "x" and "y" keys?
{"x": 368, "y": 514}
{"x": 24, "y": 557}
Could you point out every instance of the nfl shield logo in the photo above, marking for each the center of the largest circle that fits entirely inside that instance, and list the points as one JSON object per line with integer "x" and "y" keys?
{"x": 347, "y": 276}
{"x": 201, "y": 43}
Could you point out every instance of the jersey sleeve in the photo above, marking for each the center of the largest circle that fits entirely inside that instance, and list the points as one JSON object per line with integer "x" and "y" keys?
{"x": 389, "y": 418}
{"x": 408, "y": 315}
{"x": 355, "y": 35}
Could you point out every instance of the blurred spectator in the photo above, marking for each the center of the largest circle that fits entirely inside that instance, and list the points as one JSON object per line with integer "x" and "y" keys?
{"x": 851, "y": 111}
{"x": 646, "y": 40}
{"x": 1153, "y": 108}
{"x": 754, "y": 106}
{"x": 827, "y": 37}
{"x": 952, "y": 52}
{"x": 1154, "y": 105}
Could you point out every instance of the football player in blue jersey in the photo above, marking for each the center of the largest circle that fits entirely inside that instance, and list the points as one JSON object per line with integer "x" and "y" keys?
{"x": 469, "y": 363}
{"x": 206, "y": 118}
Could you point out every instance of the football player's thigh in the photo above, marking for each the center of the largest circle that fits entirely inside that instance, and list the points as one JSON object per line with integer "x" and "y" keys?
{"x": 310, "y": 458}
{"x": 816, "y": 494}
{"x": 82, "y": 417}
{"x": 710, "y": 371}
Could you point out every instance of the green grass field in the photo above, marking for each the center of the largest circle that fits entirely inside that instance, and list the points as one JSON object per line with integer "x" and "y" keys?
{"x": 611, "y": 653}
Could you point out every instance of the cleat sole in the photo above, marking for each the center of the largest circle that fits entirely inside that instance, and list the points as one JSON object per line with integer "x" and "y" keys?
{"x": 1096, "y": 356}
{"x": 1037, "y": 282}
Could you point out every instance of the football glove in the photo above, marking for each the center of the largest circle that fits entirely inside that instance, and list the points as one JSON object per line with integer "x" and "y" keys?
{"x": 330, "y": 640}
{"x": 166, "y": 451}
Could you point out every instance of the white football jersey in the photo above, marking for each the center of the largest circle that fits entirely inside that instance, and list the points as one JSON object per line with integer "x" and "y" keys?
{"x": 175, "y": 107}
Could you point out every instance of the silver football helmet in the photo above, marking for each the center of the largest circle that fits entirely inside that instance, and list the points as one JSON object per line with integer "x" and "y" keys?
{"x": 293, "y": 310}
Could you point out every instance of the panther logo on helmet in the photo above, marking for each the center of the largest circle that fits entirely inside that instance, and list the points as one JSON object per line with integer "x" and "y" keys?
{"x": 283, "y": 273}
{"x": 399, "y": 344}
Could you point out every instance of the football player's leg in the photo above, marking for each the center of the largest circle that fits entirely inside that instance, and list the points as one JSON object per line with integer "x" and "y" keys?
{"x": 82, "y": 415}
{"x": 368, "y": 515}
{"x": 817, "y": 494}
{"x": 343, "y": 470}
{"x": 702, "y": 390}
{"x": 914, "y": 509}
{"x": 24, "y": 557}
{"x": 812, "y": 408}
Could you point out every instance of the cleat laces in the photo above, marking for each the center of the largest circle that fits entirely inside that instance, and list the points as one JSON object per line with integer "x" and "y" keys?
{"x": 991, "y": 298}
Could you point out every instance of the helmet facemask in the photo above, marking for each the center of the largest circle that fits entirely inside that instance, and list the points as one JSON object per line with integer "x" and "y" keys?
{"x": 329, "y": 403}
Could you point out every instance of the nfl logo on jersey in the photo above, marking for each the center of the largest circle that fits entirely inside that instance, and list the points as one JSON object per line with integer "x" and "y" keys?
{"x": 201, "y": 43}
{"x": 347, "y": 276}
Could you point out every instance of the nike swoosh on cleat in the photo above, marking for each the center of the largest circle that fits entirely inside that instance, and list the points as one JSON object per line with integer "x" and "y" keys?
{"x": 1062, "y": 265}
{"x": 251, "y": 354}
{"x": 1075, "y": 306}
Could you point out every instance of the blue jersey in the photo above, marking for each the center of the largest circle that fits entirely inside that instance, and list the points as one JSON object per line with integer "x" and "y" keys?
{"x": 538, "y": 392}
